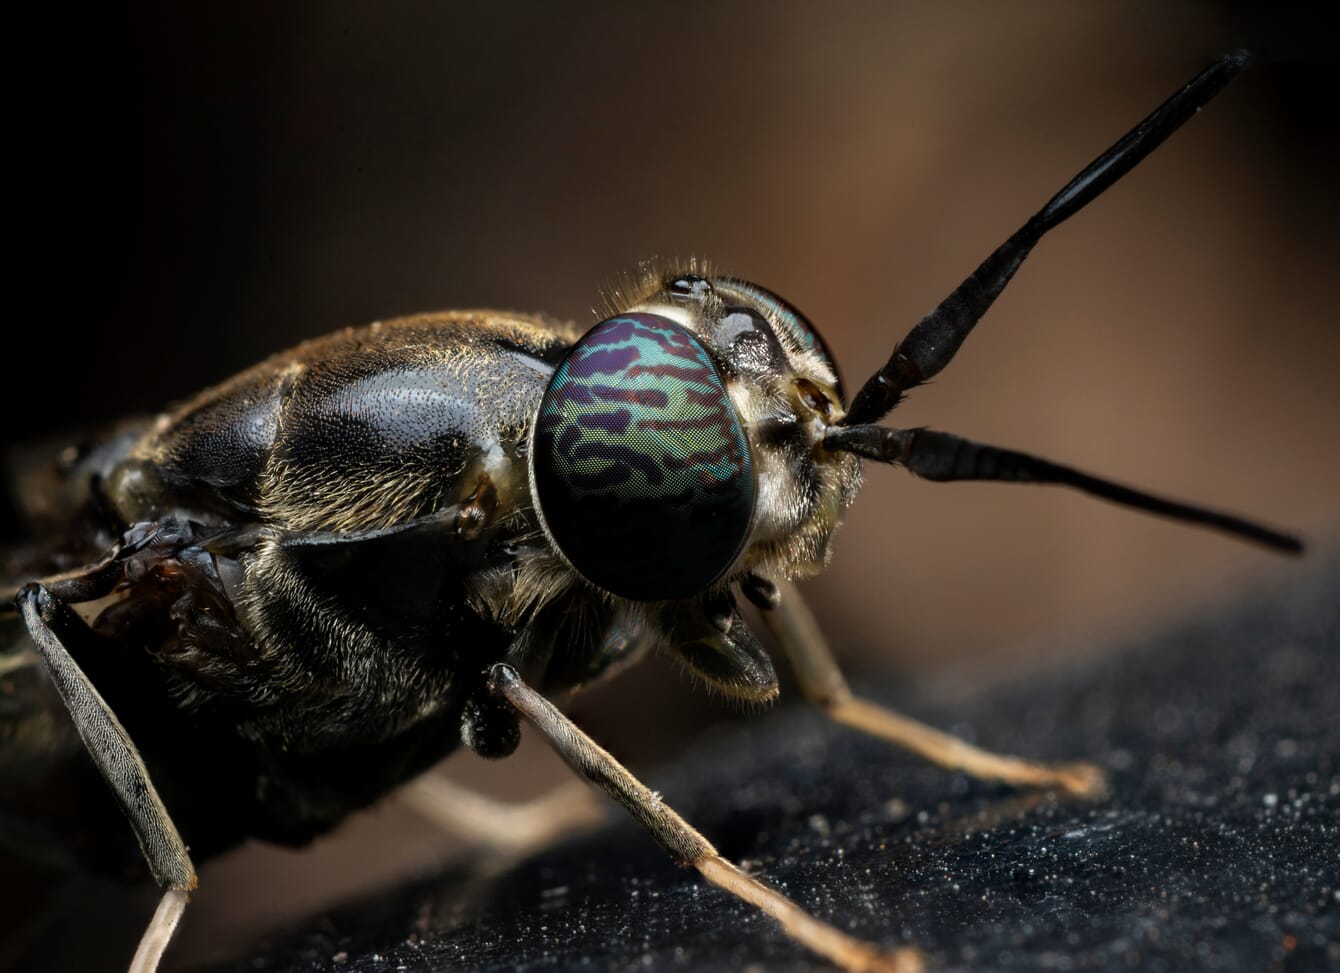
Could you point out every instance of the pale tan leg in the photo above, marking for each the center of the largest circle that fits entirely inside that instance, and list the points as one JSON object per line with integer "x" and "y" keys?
{"x": 685, "y": 843}
{"x": 120, "y": 763}
{"x": 824, "y": 685}
{"x": 513, "y": 830}
{"x": 159, "y": 932}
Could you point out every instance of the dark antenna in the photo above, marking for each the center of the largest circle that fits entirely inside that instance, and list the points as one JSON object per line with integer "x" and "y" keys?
{"x": 943, "y": 457}
{"x": 931, "y": 345}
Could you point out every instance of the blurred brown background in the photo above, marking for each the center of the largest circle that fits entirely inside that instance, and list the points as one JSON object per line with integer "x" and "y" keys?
{"x": 193, "y": 188}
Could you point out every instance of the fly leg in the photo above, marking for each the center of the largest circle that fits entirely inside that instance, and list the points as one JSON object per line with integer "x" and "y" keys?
{"x": 683, "y": 841}
{"x": 46, "y": 614}
{"x": 824, "y": 685}
{"x": 509, "y": 830}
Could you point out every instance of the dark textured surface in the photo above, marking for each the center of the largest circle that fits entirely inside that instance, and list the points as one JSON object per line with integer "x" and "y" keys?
{"x": 1218, "y": 849}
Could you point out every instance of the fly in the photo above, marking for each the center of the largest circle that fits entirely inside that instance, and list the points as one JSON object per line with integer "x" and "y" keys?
{"x": 275, "y": 603}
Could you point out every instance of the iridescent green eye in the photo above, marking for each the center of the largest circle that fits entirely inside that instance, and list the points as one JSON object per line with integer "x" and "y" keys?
{"x": 641, "y": 468}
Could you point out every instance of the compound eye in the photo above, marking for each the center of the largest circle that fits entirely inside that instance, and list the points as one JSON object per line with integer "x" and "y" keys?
{"x": 641, "y": 468}
{"x": 790, "y": 318}
{"x": 748, "y": 344}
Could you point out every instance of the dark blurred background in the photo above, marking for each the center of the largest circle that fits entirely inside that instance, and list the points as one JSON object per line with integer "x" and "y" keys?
{"x": 191, "y": 188}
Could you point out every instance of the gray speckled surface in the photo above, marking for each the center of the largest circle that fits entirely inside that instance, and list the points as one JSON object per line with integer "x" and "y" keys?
{"x": 1219, "y": 848}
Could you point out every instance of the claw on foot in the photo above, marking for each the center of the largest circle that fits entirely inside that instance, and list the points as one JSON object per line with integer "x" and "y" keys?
{"x": 905, "y": 960}
{"x": 1083, "y": 780}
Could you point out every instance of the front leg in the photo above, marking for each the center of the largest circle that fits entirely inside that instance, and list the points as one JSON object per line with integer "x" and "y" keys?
{"x": 822, "y": 682}
{"x": 119, "y": 762}
{"x": 683, "y": 841}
